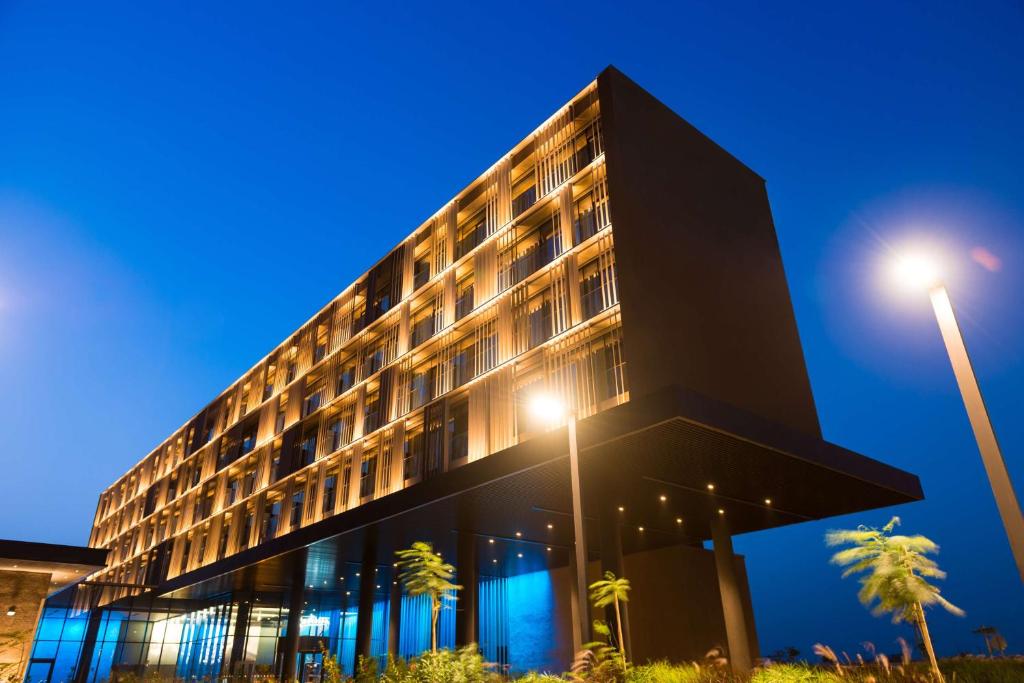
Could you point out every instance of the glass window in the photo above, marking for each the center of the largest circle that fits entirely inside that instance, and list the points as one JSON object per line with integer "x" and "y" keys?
{"x": 346, "y": 375}
{"x": 422, "y": 325}
{"x": 307, "y": 448}
{"x": 421, "y": 385}
{"x": 372, "y": 418}
{"x": 413, "y": 452}
{"x": 330, "y": 491}
{"x": 421, "y": 272}
{"x": 471, "y": 232}
{"x": 276, "y": 465}
{"x": 368, "y": 473}
{"x": 249, "y": 483}
{"x": 249, "y": 440}
{"x": 271, "y": 519}
{"x": 458, "y": 428}
{"x": 584, "y": 218}
{"x": 313, "y": 399}
{"x": 524, "y": 193}
{"x": 298, "y": 499}
{"x": 269, "y": 380}
{"x": 225, "y": 536}
{"x": 464, "y": 296}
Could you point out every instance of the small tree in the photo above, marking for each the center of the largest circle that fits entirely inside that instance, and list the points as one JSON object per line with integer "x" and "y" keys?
{"x": 331, "y": 669}
{"x": 423, "y": 572}
{"x": 612, "y": 590}
{"x": 896, "y": 576}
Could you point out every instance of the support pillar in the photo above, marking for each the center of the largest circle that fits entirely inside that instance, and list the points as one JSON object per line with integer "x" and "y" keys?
{"x": 579, "y": 567}
{"x": 574, "y": 609}
{"x": 296, "y": 603}
{"x": 367, "y": 587}
{"x": 466, "y": 627}
{"x": 732, "y": 601}
{"x": 241, "y": 632}
{"x": 611, "y": 561}
{"x": 92, "y": 630}
{"x": 395, "y": 617}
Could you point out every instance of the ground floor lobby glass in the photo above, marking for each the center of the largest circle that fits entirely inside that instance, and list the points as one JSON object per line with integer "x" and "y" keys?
{"x": 195, "y": 641}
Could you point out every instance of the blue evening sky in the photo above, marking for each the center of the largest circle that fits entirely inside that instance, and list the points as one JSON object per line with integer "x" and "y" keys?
{"x": 182, "y": 185}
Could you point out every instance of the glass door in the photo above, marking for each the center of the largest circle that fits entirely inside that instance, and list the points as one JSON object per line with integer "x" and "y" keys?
{"x": 39, "y": 671}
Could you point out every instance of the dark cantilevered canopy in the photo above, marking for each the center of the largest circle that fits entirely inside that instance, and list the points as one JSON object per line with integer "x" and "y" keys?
{"x": 66, "y": 564}
{"x": 654, "y": 457}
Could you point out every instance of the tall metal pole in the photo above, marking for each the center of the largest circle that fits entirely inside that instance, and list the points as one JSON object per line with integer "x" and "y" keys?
{"x": 579, "y": 537}
{"x": 991, "y": 456}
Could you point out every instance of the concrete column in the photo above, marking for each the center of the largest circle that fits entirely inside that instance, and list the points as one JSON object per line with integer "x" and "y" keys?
{"x": 367, "y": 587}
{"x": 466, "y": 626}
{"x": 611, "y": 561}
{"x": 574, "y": 608}
{"x": 579, "y": 533}
{"x": 296, "y": 602}
{"x": 732, "y": 600}
{"x": 395, "y": 617}
{"x": 241, "y": 632}
{"x": 92, "y": 630}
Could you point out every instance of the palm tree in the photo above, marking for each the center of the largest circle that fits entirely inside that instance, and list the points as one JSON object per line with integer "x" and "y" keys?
{"x": 897, "y": 572}
{"x": 423, "y": 572}
{"x": 612, "y": 591}
{"x": 999, "y": 643}
{"x": 986, "y": 632}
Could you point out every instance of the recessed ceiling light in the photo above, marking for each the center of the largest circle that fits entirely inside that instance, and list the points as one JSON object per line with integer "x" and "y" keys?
{"x": 551, "y": 526}
{"x": 519, "y": 534}
{"x": 494, "y": 561}
{"x": 721, "y": 511}
{"x": 549, "y": 549}
{"x": 519, "y": 555}
{"x": 767, "y": 501}
{"x": 663, "y": 498}
{"x": 679, "y": 520}
{"x": 711, "y": 487}
{"x": 622, "y": 509}
{"x": 357, "y": 573}
{"x": 640, "y": 528}
{"x": 490, "y": 540}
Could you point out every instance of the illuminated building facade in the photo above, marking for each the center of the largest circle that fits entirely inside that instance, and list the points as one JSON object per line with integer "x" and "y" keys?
{"x": 616, "y": 258}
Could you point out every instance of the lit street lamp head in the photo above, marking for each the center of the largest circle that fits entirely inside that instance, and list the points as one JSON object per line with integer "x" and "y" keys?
{"x": 917, "y": 271}
{"x": 547, "y": 407}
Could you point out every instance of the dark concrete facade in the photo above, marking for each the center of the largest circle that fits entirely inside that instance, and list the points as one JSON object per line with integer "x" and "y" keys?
{"x": 704, "y": 296}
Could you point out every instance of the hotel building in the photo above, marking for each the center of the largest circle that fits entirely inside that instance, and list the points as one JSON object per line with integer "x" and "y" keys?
{"x": 615, "y": 258}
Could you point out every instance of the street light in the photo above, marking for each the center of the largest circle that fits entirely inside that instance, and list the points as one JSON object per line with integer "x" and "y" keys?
{"x": 551, "y": 409}
{"x": 922, "y": 272}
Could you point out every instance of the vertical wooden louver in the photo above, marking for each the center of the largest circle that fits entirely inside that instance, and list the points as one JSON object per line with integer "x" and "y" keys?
{"x": 556, "y": 162}
{"x": 493, "y": 296}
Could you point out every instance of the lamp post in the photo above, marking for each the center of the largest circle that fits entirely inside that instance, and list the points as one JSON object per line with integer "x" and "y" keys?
{"x": 550, "y": 408}
{"x": 923, "y": 274}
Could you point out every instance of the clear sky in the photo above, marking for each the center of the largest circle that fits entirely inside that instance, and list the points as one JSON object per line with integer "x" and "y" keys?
{"x": 181, "y": 186}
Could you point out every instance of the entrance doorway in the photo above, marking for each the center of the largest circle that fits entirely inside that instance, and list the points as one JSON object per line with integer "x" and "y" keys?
{"x": 311, "y": 668}
{"x": 39, "y": 671}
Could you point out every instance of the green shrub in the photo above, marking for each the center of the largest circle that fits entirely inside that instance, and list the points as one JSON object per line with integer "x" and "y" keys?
{"x": 665, "y": 672}
{"x": 444, "y": 666}
{"x": 795, "y": 673}
{"x": 983, "y": 670}
{"x": 534, "y": 677}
